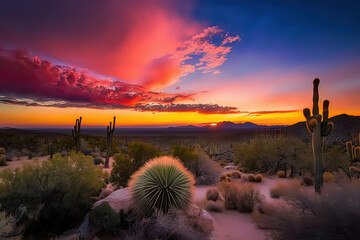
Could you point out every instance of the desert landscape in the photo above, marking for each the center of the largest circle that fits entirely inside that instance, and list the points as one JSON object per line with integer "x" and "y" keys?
{"x": 166, "y": 120}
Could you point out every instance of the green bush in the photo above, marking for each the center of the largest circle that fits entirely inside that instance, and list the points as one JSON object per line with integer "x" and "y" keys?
{"x": 55, "y": 195}
{"x": 140, "y": 153}
{"x": 104, "y": 218}
{"x": 98, "y": 160}
{"x": 161, "y": 184}
{"x": 186, "y": 154}
{"x": 122, "y": 170}
{"x": 205, "y": 170}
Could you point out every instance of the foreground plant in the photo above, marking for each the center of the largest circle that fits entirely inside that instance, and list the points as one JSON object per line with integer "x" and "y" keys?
{"x": 51, "y": 197}
{"x": 335, "y": 214}
{"x": 159, "y": 185}
{"x": 319, "y": 129}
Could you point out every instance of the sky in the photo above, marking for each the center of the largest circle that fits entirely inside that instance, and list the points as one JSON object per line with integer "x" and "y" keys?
{"x": 167, "y": 63}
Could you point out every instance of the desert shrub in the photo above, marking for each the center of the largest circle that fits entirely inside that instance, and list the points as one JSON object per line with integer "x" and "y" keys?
{"x": 140, "y": 153}
{"x": 175, "y": 225}
{"x": 84, "y": 147}
{"x": 307, "y": 181}
{"x": 104, "y": 218}
{"x": 248, "y": 198}
{"x": 328, "y": 177}
{"x": 223, "y": 177}
{"x": 53, "y": 196}
{"x": 122, "y": 170}
{"x": 236, "y": 174}
{"x": 2, "y": 157}
{"x": 228, "y": 174}
{"x": 8, "y": 228}
{"x": 248, "y": 155}
{"x": 281, "y": 174}
{"x": 212, "y": 194}
{"x": 334, "y": 214}
{"x": 186, "y": 154}
{"x": 251, "y": 178}
{"x": 205, "y": 170}
{"x": 161, "y": 184}
{"x": 214, "y": 206}
{"x": 98, "y": 160}
{"x": 258, "y": 178}
{"x": 280, "y": 189}
{"x": 230, "y": 191}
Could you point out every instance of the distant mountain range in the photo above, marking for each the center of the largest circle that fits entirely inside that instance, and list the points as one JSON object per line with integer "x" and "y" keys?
{"x": 345, "y": 126}
{"x": 227, "y": 125}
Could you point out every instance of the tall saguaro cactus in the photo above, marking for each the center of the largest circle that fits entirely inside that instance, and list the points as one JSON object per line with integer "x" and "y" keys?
{"x": 76, "y": 134}
{"x": 319, "y": 129}
{"x": 354, "y": 157}
{"x": 109, "y": 138}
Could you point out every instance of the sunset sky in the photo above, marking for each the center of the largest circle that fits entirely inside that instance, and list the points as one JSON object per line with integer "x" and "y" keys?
{"x": 165, "y": 63}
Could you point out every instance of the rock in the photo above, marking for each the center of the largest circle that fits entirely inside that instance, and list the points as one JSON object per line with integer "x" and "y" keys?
{"x": 230, "y": 167}
{"x": 104, "y": 193}
{"x": 118, "y": 200}
{"x": 203, "y": 218}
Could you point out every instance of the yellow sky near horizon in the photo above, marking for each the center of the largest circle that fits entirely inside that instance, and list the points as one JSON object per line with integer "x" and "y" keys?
{"x": 22, "y": 116}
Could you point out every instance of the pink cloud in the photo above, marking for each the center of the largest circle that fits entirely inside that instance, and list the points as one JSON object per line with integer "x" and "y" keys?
{"x": 34, "y": 82}
{"x": 135, "y": 41}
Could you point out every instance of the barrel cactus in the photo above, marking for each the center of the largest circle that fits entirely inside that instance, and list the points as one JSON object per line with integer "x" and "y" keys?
{"x": 2, "y": 157}
{"x": 161, "y": 184}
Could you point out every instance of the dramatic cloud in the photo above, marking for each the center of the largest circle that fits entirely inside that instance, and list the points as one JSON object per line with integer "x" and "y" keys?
{"x": 34, "y": 82}
{"x": 199, "y": 108}
{"x": 138, "y": 42}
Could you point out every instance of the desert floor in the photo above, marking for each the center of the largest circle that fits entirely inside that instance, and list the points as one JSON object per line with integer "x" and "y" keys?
{"x": 229, "y": 224}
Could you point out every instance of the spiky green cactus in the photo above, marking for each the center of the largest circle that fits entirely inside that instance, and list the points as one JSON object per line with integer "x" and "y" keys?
{"x": 2, "y": 157}
{"x": 76, "y": 134}
{"x": 319, "y": 129}
{"x": 109, "y": 138}
{"x": 161, "y": 184}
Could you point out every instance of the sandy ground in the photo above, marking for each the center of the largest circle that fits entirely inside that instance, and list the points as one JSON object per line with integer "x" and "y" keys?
{"x": 15, "y": 163}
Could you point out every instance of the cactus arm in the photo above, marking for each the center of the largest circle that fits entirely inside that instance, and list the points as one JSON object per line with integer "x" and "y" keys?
{"x": 325, "y": 132}
{"x": 316, "y": 97}
{"x": 350, "y": 151}
{"x": 306, "y": 113}
{"x": 357, "y": 154}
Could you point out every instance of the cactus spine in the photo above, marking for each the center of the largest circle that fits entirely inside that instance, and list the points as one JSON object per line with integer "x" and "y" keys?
{"x": 319, "y": 129}
{"x": 109, "y": 138}
{"x": 76, "y": 134}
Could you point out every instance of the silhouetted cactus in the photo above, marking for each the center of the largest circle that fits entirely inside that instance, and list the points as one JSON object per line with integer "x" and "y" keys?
{"x": 319, "y": 129}
{"x": 109, "y": 138}
{"x": 76, "y": 134}
{"x": 161, "y": 184}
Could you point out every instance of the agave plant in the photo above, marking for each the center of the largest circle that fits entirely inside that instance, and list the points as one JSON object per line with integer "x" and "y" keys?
{"x": 161, "y": 184}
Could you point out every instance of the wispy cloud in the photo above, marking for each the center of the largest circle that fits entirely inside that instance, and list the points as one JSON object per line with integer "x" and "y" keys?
{"x": 199, "y": 108}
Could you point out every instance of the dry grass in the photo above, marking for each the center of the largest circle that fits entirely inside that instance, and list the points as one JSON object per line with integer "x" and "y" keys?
{"x": 281, "y": 189}
{"x": 212, "y": 194}
{"x": 335, "y": 214}
{"x": 212, "y": 206}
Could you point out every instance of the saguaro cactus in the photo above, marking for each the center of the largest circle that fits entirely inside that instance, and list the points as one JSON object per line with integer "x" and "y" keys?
{"x": 109, "y": 137}
{"x": 319, "y": 129}
{"x": 76, "y": 134}
{"x": 354, "y": 156}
